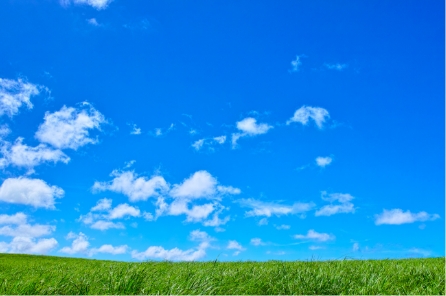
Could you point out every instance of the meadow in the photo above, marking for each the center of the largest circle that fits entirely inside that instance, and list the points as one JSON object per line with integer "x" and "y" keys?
{"x": 30, "y": 274}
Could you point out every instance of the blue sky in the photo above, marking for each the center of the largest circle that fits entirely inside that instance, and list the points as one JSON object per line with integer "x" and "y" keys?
{"x": 179, "y": 130}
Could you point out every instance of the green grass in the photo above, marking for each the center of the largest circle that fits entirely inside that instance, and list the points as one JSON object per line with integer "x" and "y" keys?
{"x": 27, "y": 274}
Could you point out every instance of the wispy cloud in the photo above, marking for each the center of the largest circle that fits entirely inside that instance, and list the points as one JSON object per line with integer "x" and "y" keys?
{"x": 336, "y": 66}
{"x": 342, "y": 204}
{"x": 16, "y": 93}
{"x": 268, "y": 209}
{"x": 316, "y": 236}
{"x": 296, "y": 64}
{"x": 398, "y": 217}
{"x": 97, "y": 4}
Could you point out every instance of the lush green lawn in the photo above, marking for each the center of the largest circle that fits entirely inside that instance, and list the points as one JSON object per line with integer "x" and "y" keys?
{"x": 25, "y": 274}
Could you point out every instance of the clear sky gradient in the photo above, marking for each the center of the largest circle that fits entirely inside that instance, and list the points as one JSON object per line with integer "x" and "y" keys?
{"x": 244, "y": 130}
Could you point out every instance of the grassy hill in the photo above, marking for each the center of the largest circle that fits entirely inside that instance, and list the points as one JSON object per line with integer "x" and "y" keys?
{"x": 28, "y": 274}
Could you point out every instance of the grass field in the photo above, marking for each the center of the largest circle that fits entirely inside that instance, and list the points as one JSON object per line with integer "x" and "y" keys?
{"x": 27, "y": 274}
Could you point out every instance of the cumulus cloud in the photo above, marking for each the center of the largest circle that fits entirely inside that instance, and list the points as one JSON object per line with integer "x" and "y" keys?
{"x": 134, "y": 187}
{"x": 176, "y": 254}
{"x": 268, "y": 209}
{"x": 323, "y": 161}
{"x": 234, "y": 245}
{"x": 16, "y": 219}
{"x": 80, "y": 244}
{"x": 342, "y": 204}
{"x": 336, "y": 66}
{"x": 123, "y": 210}
{"x": 249, "y": 127}
{"x": 28, "y": 245}
{"x": 305, "y": 113}
{"x": 69, "y": 127}
{"x": 33, "y": 192}
{"x": 398, "y": 217}
{"x": 26, "y": 230}
{"x": 14, "y": 94}
{"x": 102, "y": 221}
{"x": 97, "y": 4}
{"x": 109, "y": 249}
{"x": 316, "y": 236}
{"x": 355, "y": 247}
{"x": 201, "y": 185}
{"x": 17, "y": 226}
{"x": 22, "y": 155}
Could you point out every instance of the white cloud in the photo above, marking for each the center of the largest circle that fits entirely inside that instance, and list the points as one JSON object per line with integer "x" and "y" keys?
{"x": 14, "y": 94}
{"x": 26, "y": 230}
{"x": 200, "y": 236}
{"x": 257, "y": 242}
{"x": 340, "y": 197}
{"x": 220, "y": 139}
{"x": 323, "y": 161}
{"x": 417, "y": 251}
{"x": 69, "y": 127}
{"x": 313, "y": 235}
{"x": 268, "y": 209}
{"x": 313, "y": 248}
{"x": 123, "y": 210}
{"x": 198, "y": 144}
{"x": 28, "y": 245}
{"x": 201, "y": 185}
{"x": 109, "y": 249}
{"x": 336, "y": 66}
{"x": 16, "y": 219}
{"x": 102, "y": 205}
{"x": 398, "y": 217}
{"x": 283, "y": 226}
{"x": 4, "y": 131}
{"x": 355, "y": 247}
{"x": 80, "y": 244}
{"x": 136, "y": 130}
{"x": 216, "y": 221}
{"x": 17, "y": 226}
{"x": 344, "y": 206}
{"x": 234, "y": 245}
{"x": 304, "y": 114}
{"x": 26, "y": 156}
{"x": 134, "y": 187}
{"x": 295, "y": 64}
{"x": 175, "y": 254}
{"x": 34, "y": 192}
{"x": 329, "y": 210}
{"x": 263, "y": 221}
{"x": 97, "y": 4}
{"x": 249, "y": 127}
{"x": 93, "y": 22}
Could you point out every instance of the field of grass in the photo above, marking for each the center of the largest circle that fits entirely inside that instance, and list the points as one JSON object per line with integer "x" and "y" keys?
{"x": 27, "y": 274}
